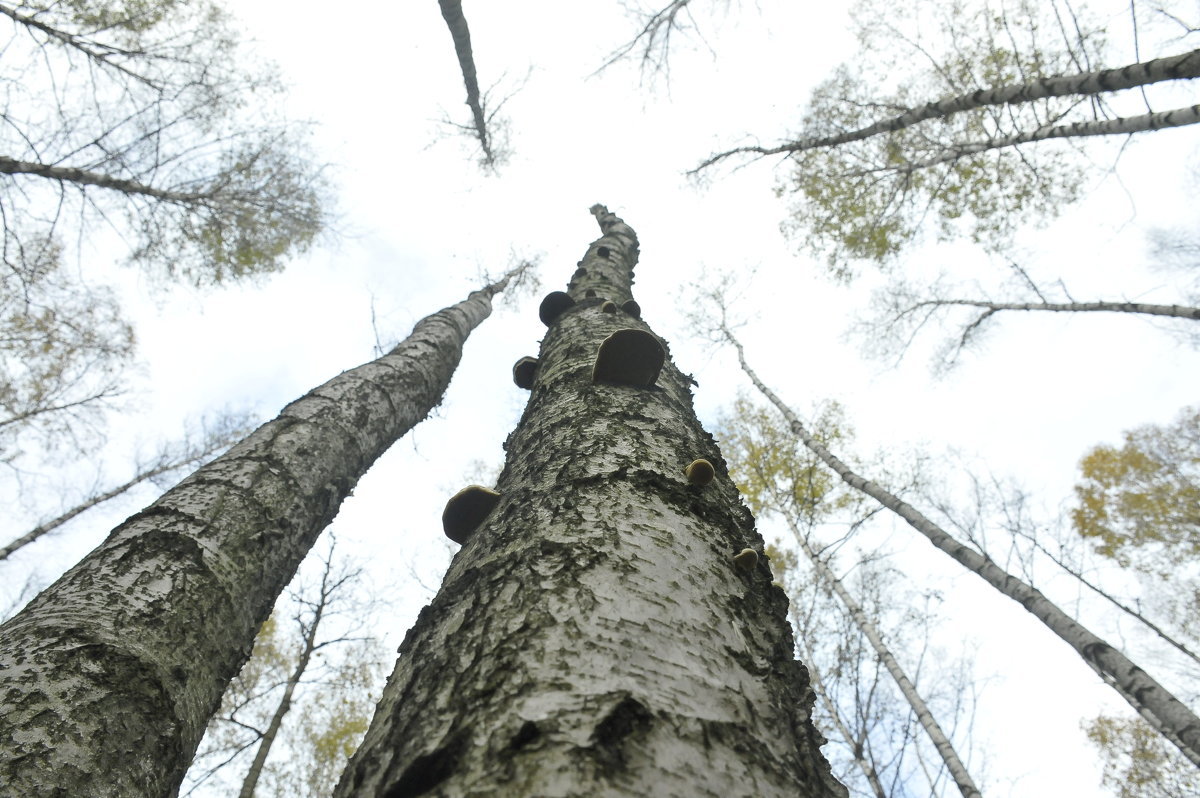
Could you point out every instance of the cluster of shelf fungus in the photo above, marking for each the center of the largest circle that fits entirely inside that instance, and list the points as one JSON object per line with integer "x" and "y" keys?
{"x": 630, "y": 357}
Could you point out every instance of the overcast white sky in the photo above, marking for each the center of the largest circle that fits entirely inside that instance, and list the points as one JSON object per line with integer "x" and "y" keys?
{"x": 421, "y": 223}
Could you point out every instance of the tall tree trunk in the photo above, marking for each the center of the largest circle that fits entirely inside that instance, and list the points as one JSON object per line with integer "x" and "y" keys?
{"x": 593, "y": 636}
{"x": 456, "y": 21}
{"x": 940, "y": 740}
{"x": 108, "y": 678}
{"x": 1176, "y": 722}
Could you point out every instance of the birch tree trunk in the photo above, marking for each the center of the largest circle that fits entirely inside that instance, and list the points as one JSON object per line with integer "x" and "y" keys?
{"x": 592, "y": 637}
{"x": 108, "y": 677}
{"x": 941, "y": 741}
{"x": 456, "y": 21}
{"x": 1176, "y": 67}
{"x": 1147, "y": 697}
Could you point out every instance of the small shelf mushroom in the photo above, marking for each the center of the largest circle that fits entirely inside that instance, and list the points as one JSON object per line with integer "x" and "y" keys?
{"x": 629, "y": 357}
{"x": 523, "y": 371}
{"x": 608, "y": 307}
{"x": 632, "y": 308}
{"x": 745, "y": 560}
{"x": 602, "y": 251}
{"x": 466, "y": 510}
{"x": 553, "y": 306}
{"x": 699, "y": 472}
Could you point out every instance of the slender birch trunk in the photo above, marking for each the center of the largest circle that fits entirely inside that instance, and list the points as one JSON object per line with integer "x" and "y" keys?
{"x": 82, "y": 507}
{"x": 308, "y": 646}
{"x": 84, "y": 177}
{"x": 108, "y": 677}
{"x": 164, "y": 464}
{"x": 592, "y": 636}
{"x": 1174, "y": 311}
{"x": 456, "y": 21}
{"x": 1176, "y": 722}
{"x": 1176, "y": 67}
{"x": 855, "y": 743}
{"x": 1124, "y": 126}
{"x": 941, "y": 741}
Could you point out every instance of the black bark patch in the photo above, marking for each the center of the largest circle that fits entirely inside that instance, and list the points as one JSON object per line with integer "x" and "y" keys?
{"x": 628, "y": 721}
{"x": 429, "y": 770}
{"x": 602, "y": 252}
{"x": 525, "y": 735}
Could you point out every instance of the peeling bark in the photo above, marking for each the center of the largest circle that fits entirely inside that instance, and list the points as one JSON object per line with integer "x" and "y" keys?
{"x": 592, "y": 637}
{"x": 1147, "y": 697}
{"x": 108, "y": 677}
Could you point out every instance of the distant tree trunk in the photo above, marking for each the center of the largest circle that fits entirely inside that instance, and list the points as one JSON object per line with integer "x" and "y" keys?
{"x": 1169, "y": 715}
{"x": 330, "y": 584}
{"x": 940, "y": 740}
{"x": 1176, "y": 67}
{"x": 593, "y": 636}
{"x": 1175, "y": 311}
{"x": 853, "y": 742}
{"x": 456, "y": 21}
{"x": 165, "y": 463}
{"x": 108, "y": 677}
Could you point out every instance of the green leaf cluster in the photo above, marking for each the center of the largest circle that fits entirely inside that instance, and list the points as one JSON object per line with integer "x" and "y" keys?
{"x": 774, "y": 470}
{"x": 1140, "y": 502}
{"x": 868, "y": 200}
{"x": 1138, "y": 762}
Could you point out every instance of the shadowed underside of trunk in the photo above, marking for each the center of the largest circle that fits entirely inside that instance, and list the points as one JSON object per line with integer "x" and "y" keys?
{"x": 593, "y": 636}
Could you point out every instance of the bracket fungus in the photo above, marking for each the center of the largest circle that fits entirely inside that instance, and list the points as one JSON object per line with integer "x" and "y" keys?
{"x": 553, "y": 306}
{"x": 699, "y": 472}
{"x": 632, "y": 308}
{"x": 602, "y": 251}
{"x": 608, "y": 307}
{"x": 629, "y": 357}
{"x": 745, "y": 560}
{"x": 523, "y": 371}
{"x": 466, "y": 510}
{"x": 590, "y": 293}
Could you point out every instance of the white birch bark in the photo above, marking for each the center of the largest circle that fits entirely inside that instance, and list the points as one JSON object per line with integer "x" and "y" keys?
{"x": 593, "y": 637}
{"x": 1176, "y": 117}
{"x": 941, "y": 741}
{"x": 1176, "y": 67}
{"x": 1170, "y": 716}
{"x": 108, "y": 677}
{"x": 1150, "y": 309}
